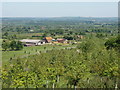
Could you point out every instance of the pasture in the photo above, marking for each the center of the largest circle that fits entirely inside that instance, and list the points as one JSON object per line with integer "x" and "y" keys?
{"x": 26, "y": 51}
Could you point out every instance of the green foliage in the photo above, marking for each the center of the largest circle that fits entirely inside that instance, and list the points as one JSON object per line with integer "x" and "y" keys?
{"x": 5, "y": 45}
{"x": 13, "y": 45}
{"x": 5, "y": 34}
{"x": 21, "y": 27}
{"x": 113, "y": 43}
{"x": 89, "y": 65}
{"x": 68, "y": 37}
{"x": 65, "y": 68}
{"x": 100, "y": 35}
{"x": 87, "y": 46}
{"x": 19, "y": 45}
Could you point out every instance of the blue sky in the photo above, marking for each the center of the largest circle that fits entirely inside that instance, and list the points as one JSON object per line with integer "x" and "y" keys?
{"x": 60, "y": 0}
{"x": 59, "y": 9}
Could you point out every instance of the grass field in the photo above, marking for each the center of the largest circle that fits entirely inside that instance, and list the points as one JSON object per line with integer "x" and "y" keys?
{"x": 26, "y": 51}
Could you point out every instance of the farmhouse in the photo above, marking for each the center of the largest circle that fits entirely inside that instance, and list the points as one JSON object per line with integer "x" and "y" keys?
{"x": 48, "y": 39}
{"x": 31, "y": 42}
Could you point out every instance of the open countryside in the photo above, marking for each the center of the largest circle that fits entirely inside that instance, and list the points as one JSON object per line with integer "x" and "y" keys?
{"x": 77, "y": 54}
{"x": 71, "y": 45}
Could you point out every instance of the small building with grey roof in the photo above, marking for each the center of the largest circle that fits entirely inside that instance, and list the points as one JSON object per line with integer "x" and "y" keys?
{"x": 32, "y": 42}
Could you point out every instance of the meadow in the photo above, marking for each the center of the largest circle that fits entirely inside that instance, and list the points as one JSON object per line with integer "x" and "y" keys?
{"x": 26, "y": 51}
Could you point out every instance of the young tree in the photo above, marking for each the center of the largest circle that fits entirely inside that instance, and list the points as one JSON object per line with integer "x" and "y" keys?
{"x": 16, "y": 45}
{"x": 19, "y": 45}
{"x": 13, "y": 45}
{"x": 5, "y": 45}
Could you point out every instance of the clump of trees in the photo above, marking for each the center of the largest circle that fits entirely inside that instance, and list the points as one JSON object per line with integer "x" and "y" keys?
{"x": 12, "y": 45}
{"x": 113, "y": 43}
{"x": 9, "y": 37}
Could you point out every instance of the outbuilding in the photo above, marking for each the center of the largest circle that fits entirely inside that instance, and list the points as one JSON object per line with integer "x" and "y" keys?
{"x": 32, "y": 42}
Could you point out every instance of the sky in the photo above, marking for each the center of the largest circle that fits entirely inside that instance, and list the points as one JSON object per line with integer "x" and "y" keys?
{"x": 59, "y": 0}
{"x": 59, "y": 9}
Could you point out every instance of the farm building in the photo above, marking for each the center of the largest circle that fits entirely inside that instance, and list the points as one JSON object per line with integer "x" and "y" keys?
{"x": 62, "y": 40}
{"x": 48, "y": 39}
{"x": 31, "y": 42}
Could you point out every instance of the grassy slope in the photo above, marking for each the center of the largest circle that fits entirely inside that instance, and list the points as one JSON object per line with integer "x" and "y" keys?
{"x": 6, "y": 55}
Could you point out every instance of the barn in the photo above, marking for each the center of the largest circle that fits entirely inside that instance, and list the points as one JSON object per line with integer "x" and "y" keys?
{"x": 32, "y": 42}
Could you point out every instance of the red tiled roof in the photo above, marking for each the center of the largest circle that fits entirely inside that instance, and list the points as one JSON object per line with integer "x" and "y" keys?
{"x": 48, "y": 38}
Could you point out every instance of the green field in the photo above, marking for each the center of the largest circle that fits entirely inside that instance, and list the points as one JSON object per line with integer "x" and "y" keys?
{"x": 26, "y": 51}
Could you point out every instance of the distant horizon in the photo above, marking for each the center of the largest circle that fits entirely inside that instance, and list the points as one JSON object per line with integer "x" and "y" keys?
{"x": 65, "y": 17}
